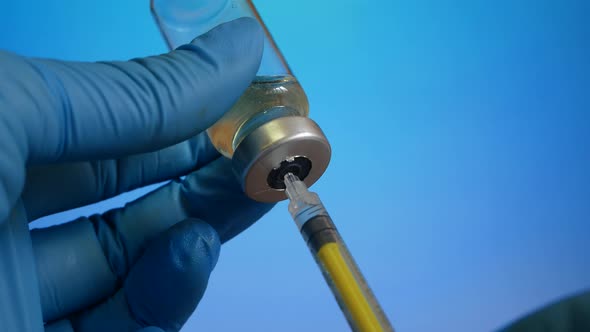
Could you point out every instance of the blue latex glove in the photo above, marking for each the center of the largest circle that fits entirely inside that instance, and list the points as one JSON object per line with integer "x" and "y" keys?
{"x": 570, "y": 314}
{"x": 76, "y": 133}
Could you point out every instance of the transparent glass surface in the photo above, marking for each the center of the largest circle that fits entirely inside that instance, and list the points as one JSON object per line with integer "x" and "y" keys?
{"x": 267, "y": 98}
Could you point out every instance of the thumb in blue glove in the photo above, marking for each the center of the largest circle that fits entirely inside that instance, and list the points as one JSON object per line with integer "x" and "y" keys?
{"x": 76, "y": 133}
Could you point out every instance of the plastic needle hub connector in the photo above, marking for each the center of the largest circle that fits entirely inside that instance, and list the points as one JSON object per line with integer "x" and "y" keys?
{"x": 303, "y": 205}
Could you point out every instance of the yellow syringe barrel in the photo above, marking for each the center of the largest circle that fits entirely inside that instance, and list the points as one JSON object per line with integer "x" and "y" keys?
{"x": 355, "y": 298}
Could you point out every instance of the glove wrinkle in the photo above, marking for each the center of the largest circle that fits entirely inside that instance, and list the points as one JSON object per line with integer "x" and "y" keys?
{"x": 112, "y": 244}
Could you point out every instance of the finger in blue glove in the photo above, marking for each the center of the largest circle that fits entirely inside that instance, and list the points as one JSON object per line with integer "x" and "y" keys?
{"x": 162, "y": 289}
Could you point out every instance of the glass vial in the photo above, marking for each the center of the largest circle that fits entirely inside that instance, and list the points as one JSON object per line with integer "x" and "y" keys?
{"x": 267, "y": 132}
{"x": 274, "y": 93}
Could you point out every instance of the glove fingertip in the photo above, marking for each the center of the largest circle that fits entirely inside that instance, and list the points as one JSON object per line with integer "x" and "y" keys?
{"x": 168, "y": 281}
{"x": 233, "y": 51}
{"x": 195, "y": 241}
{"x": 240, "y": 37}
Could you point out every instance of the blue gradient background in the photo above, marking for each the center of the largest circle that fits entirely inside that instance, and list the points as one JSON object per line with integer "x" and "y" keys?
{"x": 461, "y": 169}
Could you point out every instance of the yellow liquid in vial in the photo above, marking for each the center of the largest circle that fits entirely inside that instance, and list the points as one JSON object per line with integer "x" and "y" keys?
{"x": 267, "y": 98}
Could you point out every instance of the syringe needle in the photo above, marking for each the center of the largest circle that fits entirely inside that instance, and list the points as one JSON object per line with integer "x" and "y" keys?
{"x": 348, "y": 285}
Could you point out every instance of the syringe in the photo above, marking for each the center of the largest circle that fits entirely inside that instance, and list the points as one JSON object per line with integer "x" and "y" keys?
{"x": 348, "y": 285}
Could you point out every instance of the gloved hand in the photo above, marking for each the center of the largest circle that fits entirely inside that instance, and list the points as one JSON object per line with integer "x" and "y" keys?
{"x": 569, "y": 314}
{"x": 76, "y": 133}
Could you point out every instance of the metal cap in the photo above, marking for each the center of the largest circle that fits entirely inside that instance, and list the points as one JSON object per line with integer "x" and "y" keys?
{"x": 274, "y": 148}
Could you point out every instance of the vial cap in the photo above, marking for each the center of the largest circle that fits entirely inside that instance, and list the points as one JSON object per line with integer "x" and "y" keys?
{"x": 288, "y": 142}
